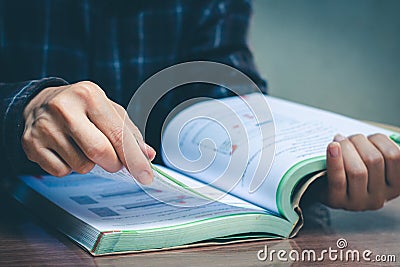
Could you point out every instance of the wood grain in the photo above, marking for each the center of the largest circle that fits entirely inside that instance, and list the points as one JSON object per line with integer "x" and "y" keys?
{"x": 26, "y": 240}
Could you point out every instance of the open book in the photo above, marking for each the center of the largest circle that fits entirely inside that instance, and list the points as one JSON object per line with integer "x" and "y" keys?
{"x": 259, "y": 198}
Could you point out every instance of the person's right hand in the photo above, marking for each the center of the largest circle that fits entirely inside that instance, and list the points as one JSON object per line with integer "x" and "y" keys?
{"x": 74, "y": 127}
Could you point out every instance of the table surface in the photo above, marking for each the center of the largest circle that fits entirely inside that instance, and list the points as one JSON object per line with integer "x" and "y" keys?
{"x": 26, "y": 240}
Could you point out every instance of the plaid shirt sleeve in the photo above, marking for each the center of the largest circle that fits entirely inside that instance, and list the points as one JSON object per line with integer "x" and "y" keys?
{"x": 14, "y": 97}
{"x": 117, "y": 45}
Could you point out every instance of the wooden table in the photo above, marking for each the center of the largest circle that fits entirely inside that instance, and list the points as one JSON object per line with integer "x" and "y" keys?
{"x": 25, "y": 240}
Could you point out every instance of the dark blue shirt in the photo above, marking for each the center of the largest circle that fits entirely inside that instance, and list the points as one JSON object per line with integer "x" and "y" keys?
{"x": 116, "y": 44}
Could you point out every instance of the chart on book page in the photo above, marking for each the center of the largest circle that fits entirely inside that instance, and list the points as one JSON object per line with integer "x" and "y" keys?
{"x": 111, "y": 204}
{"x": 222, "y": 142}
{"x": 300, "y": 133}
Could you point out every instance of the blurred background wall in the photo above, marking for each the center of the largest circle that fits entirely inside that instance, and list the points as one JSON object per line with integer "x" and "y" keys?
{"x": 339, "y": 55}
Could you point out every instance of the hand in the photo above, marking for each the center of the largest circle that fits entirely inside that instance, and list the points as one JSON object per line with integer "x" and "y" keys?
{"x": 76, "y": 126}
{"x": 363, "y": 172}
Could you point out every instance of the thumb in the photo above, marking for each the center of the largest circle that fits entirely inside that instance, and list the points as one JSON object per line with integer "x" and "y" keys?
{"x": 337, "y": 183}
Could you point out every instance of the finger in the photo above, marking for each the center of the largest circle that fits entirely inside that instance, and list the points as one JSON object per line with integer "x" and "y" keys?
{"x": 151, "y": 153}
{"x": 337, "y": 184}
{"x": 93, "y": 143}
{"x": 51, "y": 162}
{"x": 356, "y": 173}
{"x": 391, "y": 155}
{"x": 66, "y": 148}
{"x": 46, "y": 143}
{"x": 375, "y": 164}
{"x": 147, "y": 150}
{"x": 123, "y": 140}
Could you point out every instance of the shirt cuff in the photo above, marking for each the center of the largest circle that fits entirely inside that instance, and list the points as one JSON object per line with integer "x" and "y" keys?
{"x": 13, "y": 120}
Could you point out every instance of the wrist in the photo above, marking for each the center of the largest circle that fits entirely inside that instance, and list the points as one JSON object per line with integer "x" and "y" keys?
{"x": 40, "y": 99}
{"x": 14, "y": 123}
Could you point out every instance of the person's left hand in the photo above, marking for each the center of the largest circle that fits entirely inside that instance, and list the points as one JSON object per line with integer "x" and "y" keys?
{"x": 362, "y": 172}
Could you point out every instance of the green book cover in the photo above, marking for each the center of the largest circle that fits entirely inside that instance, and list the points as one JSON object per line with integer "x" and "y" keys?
{"x": 109, "y": 213}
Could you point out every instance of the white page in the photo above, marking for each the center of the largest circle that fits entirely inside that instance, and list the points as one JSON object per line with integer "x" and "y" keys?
{"x": 112, "y": 204}
{"x": 301, "y": 132}
{"x": 202, "y": 193}
{"x": 211, "y": 192}
{"x": 222, "y": 142}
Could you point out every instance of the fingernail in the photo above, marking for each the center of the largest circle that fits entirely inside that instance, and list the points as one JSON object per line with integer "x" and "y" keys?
{"x": 333, "y": 150}
{"x": 339, "y": 138}
{"x": 145, "y": 177}
{"x": 151, "y": 153}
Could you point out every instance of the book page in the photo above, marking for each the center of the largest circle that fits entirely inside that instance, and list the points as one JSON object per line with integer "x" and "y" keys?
{"x": 168, "y": 180}
{"x": 304, "y": 132}
{"x": 110, "y": 204}
{"x": 222, "y": 142}
{"x": 301, "y": 133}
